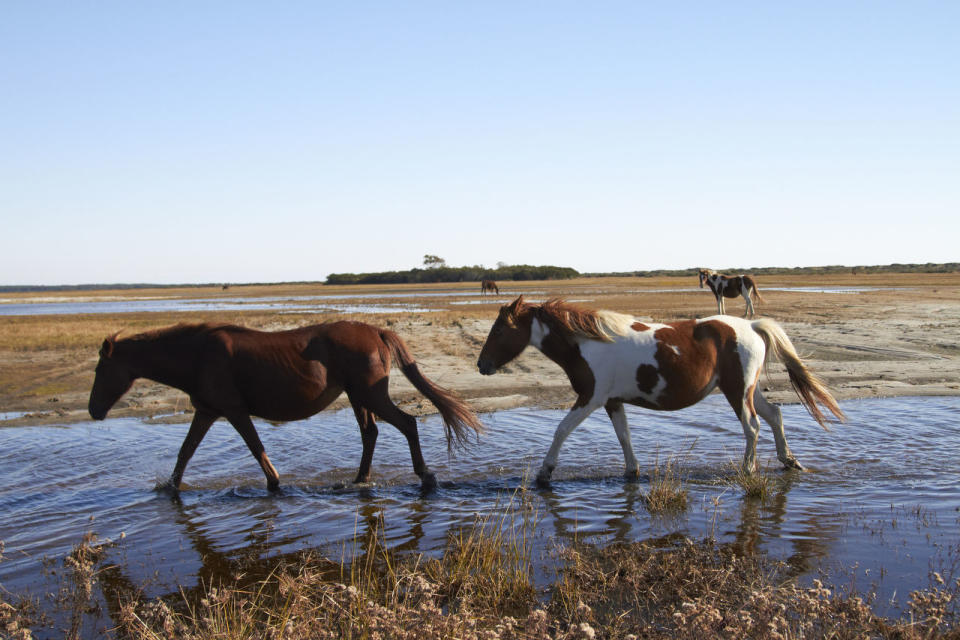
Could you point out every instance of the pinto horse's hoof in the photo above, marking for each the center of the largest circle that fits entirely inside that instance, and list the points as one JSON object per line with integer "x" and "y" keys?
{"x": 793, "y": 463}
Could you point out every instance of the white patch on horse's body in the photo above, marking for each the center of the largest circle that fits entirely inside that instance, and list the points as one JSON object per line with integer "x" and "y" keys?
{"x": 614, "y": 364}
{"x": 538, "y": 331}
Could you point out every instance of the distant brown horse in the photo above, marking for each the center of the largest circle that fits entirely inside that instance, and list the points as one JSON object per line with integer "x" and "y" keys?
{"x": 489, "y": 285}
{"x": 730, "y": 287}
{"x": 235, "y": 373}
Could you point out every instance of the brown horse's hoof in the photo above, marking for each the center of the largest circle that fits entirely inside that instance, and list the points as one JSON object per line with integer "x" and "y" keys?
{"x": 428, "y": 482}
{"x": 632, "y": 475}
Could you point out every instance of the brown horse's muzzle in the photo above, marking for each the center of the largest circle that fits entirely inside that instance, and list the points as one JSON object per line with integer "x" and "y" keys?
{"x": 486, "y": 366}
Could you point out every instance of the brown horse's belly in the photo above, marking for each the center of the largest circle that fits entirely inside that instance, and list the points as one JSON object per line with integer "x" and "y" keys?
{"x": 292, "y": 403}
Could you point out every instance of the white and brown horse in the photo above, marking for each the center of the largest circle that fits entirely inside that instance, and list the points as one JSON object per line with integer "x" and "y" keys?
{"x": 730, "y": 287}
{"x": 612, "y": 358}
{"x": 489, "y": 285}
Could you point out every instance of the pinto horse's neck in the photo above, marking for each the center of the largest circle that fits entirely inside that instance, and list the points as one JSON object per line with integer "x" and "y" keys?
{"x": 562, "y": 347}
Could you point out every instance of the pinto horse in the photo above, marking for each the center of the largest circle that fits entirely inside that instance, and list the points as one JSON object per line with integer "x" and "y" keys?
{"x": 612, "y": 358}
{"x": 235, "y": 373}
{"x": 731, "y": 287}
{"x": 489, "y": 285}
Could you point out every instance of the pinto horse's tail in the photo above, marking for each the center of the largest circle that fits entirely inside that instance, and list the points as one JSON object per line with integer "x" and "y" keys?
{"x": 808, "y": 386}
{"x": 457, "y": 416}
{"x": 752, "y": 289}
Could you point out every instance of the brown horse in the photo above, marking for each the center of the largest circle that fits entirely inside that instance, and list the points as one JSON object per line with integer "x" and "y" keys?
{"x": 235, "y": 373}
{"x": 730, "y": 287}
{"x": 489, "y": 285}
{"x": 612, "y": 358}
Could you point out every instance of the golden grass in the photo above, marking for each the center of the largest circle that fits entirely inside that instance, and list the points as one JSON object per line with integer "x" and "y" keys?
{"x": 668, "y": 492}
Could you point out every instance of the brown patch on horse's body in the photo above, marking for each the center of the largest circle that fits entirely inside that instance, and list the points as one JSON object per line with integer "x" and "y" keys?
{"x": 639, "y": 327}
{"x": 693, "y": 357}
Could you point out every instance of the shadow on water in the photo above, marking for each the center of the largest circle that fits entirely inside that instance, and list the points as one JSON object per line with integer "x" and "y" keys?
{"x": 880, "y": 500}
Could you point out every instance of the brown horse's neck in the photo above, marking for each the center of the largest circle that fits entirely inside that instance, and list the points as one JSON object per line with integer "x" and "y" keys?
{"x": 169, "y": 362}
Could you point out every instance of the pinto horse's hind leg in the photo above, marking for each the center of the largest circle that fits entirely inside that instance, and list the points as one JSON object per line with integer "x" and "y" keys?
{"x": 248, "y": 432}
{"x": 750, "y": 312}
{"x": 368, "y": 433}
{"x": 375, "y": 399}
{"x": 619, "y": 419}
{"x": 774, "y": 417}
{"x": 198, "y": 429}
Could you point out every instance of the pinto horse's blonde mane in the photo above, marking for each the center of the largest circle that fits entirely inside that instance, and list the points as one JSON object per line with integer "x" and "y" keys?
{"x": 588, "y": 323}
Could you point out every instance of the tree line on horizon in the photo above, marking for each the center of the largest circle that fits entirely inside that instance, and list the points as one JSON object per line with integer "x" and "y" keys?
{"x": 512, "y": 272}
{"x": 444, "y": 273}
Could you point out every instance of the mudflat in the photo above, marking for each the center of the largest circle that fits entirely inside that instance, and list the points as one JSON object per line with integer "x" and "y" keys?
{"x": 867, "y": 335}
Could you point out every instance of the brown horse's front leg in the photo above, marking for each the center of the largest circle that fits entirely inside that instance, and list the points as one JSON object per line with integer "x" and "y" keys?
{"x": 248, "y": 432}
{"x": 198, "y": 429}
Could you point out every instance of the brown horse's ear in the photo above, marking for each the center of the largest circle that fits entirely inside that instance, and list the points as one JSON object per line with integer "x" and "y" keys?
{"x": 106, "y": 349}
{"x": 515, "y": 305}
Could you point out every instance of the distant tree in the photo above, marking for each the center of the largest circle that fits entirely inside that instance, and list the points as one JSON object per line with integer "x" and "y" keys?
{"x": 432, "y": 262}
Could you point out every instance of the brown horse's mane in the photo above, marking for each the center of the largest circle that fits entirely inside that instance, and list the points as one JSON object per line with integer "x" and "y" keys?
{"x": 181, "y": 331}
{"x": 581, "y": 321}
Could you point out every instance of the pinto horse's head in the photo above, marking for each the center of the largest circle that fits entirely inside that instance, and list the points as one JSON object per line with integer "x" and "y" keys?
{"x": 508, "y": 337}
{"x": 113, "y": 379}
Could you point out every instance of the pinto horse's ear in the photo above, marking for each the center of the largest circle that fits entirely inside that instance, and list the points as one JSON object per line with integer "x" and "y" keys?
{"x": 516, "y": 305}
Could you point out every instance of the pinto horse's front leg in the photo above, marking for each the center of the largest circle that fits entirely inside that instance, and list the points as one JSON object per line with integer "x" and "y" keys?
{"x": 564, "y": 429}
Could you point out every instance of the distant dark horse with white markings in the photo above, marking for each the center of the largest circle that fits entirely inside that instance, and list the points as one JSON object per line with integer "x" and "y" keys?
{"x": 612, "y": 358}
{"x": 235, "y": 372}
{"x": 731, "y": 287}
{"x": 489, "y": 285}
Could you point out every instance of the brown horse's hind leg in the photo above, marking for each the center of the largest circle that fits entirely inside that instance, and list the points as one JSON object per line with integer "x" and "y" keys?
{"x": 368, "y": 433}
{"x": 248, "y": 432}
{"x": 375, "y": 399}
{"x": 198, "y": 429}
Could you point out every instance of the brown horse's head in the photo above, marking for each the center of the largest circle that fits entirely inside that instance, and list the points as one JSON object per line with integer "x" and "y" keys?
{"x": 113, "y": 379}
{"x": 508, "y": 337}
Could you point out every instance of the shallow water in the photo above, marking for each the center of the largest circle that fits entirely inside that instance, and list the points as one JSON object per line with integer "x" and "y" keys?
{"x": 883, "y": 493}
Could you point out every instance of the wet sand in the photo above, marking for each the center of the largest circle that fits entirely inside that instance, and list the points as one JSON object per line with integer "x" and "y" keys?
{"x": 895, "y": 335}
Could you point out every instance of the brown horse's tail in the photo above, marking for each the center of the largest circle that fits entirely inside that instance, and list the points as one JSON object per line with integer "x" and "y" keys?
{"x": 457, "y": 416}
{"x": 808, "y": 386}
{"x": 753, "y": 291}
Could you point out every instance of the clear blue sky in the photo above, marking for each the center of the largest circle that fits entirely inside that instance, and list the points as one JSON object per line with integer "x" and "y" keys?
{"x": 185, "y": 142}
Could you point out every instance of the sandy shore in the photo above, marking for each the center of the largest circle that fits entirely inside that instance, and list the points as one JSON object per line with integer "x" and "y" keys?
{"x": 869, "y": 336}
